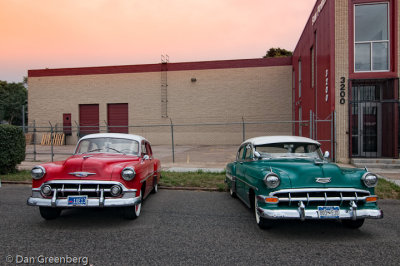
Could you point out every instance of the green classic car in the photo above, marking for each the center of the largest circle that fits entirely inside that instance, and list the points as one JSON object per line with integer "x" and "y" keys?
{"x": 287, "y": 177}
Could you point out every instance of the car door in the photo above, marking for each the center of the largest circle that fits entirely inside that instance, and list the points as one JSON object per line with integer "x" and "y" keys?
{"x": 150, "y": 167}
{"x": 246, "y": 183}
{"x": 146, "y": 164}
{"x": 240, "y": 173}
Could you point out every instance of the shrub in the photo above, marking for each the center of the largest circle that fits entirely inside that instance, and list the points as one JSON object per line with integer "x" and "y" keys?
{"x": 12, "y": 148}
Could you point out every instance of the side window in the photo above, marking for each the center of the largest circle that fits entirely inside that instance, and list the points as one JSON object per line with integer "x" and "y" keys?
{"x": 249, "y": 152}
{"x": 148, "y": 149}
{"x": 144, "y": 151}
{"x": 240, "y": 154}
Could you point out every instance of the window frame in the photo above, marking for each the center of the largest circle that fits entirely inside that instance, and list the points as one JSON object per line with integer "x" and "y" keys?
{"x": 388, "y": 41}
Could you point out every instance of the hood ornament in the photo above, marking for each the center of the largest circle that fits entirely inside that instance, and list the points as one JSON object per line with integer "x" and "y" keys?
{"x": 323, "y": 180}
{"x": 81, "y": 174}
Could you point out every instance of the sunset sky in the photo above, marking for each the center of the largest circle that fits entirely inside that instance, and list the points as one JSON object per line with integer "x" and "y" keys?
{"x": 36, "y": 34}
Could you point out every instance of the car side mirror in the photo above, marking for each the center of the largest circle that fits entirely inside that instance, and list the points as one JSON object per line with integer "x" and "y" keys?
{"x": 257, "y": 155}
{"x": 326, "y": 154}
{"x": 146, "y": 157}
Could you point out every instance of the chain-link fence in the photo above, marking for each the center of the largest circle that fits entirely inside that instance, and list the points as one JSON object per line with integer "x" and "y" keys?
{"x": 55, "y": 141}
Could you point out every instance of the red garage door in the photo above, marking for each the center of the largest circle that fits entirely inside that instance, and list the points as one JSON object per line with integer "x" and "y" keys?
{"x": 88, "y": 119}
{"x": 117, "y": 116}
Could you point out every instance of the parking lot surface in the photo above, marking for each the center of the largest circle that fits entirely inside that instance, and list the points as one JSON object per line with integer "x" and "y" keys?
{"x": 191, "y": 228}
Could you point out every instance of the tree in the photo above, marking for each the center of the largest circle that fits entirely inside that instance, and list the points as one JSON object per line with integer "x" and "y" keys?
{"x": 277, "y": 52}
{"x": 12, "y": 97}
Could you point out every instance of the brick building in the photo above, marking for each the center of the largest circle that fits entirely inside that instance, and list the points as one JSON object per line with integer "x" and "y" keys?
{"x": 344, "y": 69}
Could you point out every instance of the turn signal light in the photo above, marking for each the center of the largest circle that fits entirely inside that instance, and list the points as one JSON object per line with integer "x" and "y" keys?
{"x": 273, "y": 200}
{"x": 371, "y": 199}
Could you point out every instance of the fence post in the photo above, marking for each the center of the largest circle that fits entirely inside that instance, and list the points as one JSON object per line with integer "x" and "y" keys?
{"x": 51, "y": 140}
{"x": 77, "y": 130}
{"x": 243, "y": 129}
{"x": 107, "y": 130}
{"x": 34, "y": 140}
{"x": 172, "y": 136}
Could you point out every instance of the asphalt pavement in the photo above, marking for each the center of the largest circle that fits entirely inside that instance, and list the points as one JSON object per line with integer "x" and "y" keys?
{"x": 189, "y": 228}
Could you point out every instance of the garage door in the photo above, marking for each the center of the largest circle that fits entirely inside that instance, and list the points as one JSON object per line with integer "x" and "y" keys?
{"x": 88, "y": 119}
{"x": 117, "y": 116}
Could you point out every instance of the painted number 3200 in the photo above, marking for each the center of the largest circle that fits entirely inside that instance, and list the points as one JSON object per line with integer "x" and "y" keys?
{"x": 342, "y": 90}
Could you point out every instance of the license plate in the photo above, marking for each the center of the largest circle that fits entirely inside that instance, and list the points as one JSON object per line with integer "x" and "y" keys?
{"x": 77, "y": 200}
{"x": 328, "y": 212}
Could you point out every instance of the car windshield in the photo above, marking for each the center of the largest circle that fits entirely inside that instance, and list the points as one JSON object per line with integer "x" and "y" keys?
{"x": 109, "y": 145}
{"x": 289, "y": 150}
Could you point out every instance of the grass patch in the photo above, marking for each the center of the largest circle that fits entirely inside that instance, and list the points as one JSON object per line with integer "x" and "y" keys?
{"x": 193, "y": 179}
{"x": 17, "y": 176}
{"x": 387, "y": 190}
{"x": 384, "y": 189}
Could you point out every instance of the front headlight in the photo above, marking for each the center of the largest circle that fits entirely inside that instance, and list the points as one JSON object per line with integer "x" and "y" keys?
{"x": 369, "y": 179}
{"x": 38, "y": 172}
{"x": 128, "y": 173}
{"x": 272, "y": 180}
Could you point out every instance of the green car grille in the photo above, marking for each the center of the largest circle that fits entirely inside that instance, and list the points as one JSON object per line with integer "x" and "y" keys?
{"x": 318, "y": 197}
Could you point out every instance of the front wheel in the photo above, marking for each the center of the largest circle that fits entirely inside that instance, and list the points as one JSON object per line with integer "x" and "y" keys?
{"x": 155, "y": 188}
{"x": 132, "y": 212}
{"x": 353, "y": 224}
{"x": 49, "y": 213}
{"x": 261, "y": 222}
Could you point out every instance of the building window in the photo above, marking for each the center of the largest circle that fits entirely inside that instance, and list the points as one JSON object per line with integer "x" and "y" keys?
{"x": 299, "y": 78}
{"x": 371, "y": 37}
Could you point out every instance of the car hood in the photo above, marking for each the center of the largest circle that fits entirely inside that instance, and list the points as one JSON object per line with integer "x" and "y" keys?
{"x": 96, "y": 166}
{"x": 303, "y": 173}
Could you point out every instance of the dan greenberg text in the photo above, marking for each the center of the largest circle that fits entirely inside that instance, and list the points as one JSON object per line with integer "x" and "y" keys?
{"x": 41, "y": 259}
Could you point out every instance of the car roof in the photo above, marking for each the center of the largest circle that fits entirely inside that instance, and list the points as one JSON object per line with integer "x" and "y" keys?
{"x": 280, "y": 139}
{"x": 115, "y": 135}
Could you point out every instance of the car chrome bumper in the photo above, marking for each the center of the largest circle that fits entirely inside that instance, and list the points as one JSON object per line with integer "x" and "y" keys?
{"x": 128, "y": 197}
{"x": 91, "y": 202}
{"x": 304, "y": 214}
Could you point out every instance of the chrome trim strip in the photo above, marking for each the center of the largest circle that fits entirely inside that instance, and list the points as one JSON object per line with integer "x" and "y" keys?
{"x": 230, "y": 177}
{"x": 313, "y": 214}
{"x": 253, "y": 187}
{"x": 147, "y": 177}
{"x": 321, "y": 199}
{"x": 81, "y": 174}
{"x": 305, "y": 190}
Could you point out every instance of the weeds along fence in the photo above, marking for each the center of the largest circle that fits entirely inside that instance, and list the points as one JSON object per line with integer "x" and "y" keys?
{"x": 45, "y": 142}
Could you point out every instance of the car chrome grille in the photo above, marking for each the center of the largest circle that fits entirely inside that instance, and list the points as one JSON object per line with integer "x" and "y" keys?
{"x": 92, "y": 190}
{"x": 318, "y": 197}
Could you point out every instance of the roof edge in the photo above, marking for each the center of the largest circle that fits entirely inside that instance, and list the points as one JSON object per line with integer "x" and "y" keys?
{"x": 200, "y": 65}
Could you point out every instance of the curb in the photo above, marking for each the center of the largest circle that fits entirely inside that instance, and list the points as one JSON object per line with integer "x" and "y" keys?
{"x": 16, "y": 182}
{"x": 191, "y": 188}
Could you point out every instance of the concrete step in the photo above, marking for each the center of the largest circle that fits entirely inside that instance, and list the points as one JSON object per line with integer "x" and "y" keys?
{"x": 375, "y": 161}
{"x": 377, "y": 165}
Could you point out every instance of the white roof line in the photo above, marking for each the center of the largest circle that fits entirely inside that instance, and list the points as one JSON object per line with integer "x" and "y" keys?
{"x": 115, "y": 135}
{"x": 280, "y": 139}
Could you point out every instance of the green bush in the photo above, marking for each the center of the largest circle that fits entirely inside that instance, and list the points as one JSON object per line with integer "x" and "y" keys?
{"x": 12, "y": 148}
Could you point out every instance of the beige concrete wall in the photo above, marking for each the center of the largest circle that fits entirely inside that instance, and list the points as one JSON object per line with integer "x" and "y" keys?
{"x": 341, "y": 70}
{"x": 224, "y": 95}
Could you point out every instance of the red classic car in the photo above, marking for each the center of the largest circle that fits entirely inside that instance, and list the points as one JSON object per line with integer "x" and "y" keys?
{"x": 106, "y": 170}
